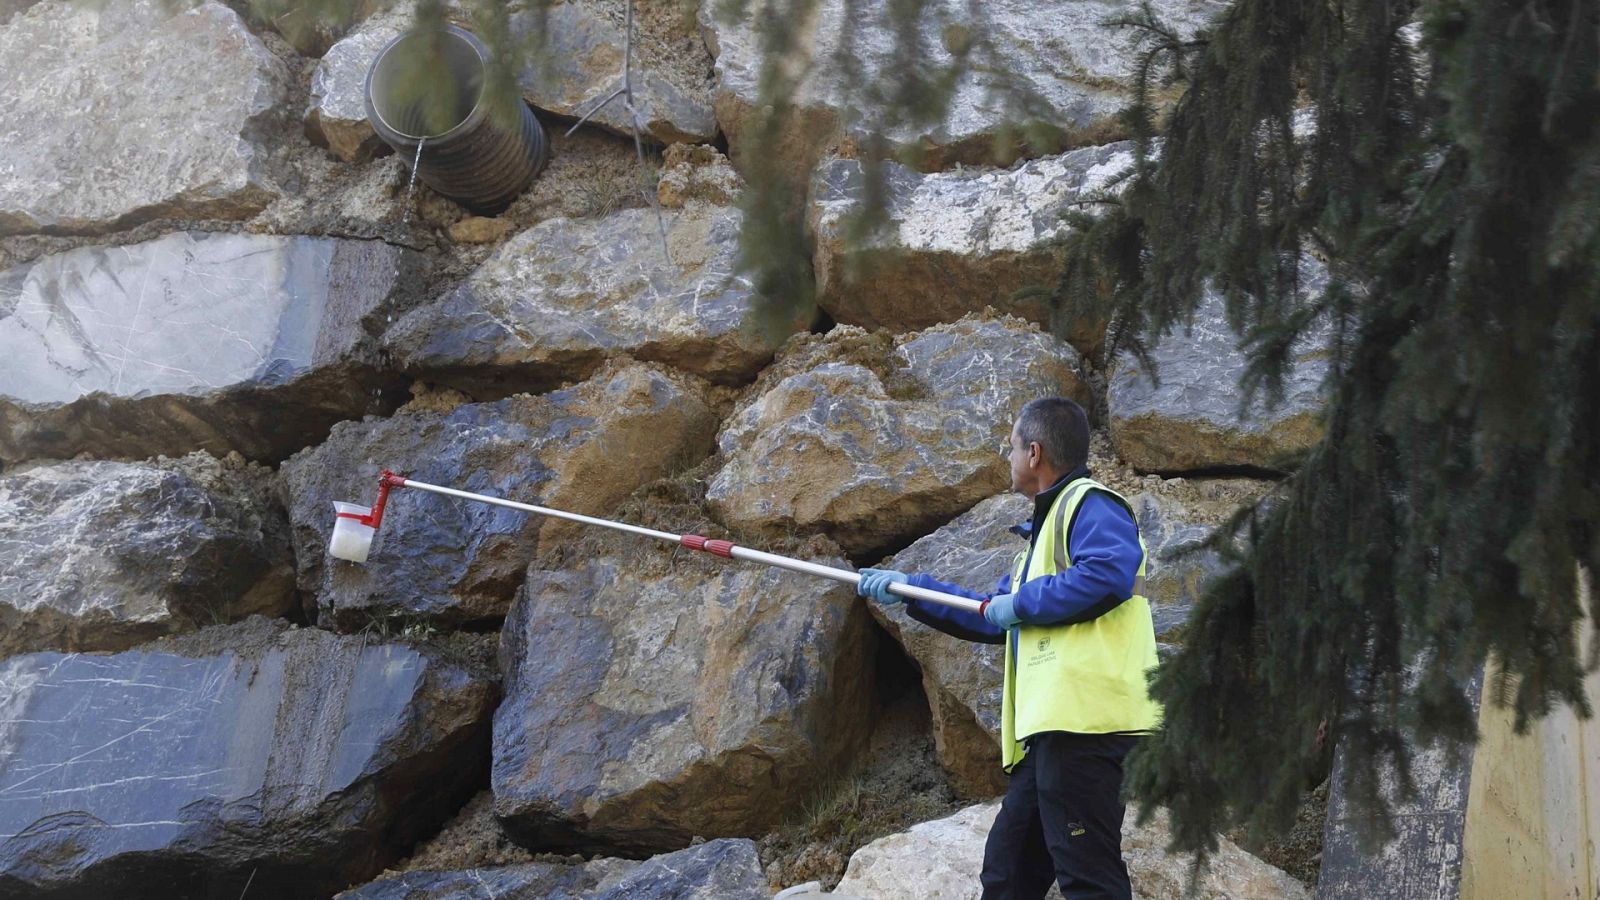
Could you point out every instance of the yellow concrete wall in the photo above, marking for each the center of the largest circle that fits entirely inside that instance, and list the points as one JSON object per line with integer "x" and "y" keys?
{"x": 1533, "y": 811}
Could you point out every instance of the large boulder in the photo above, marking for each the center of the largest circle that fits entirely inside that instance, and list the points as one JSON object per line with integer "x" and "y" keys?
{"x": 962, "y": 679}
{"x": 940, "y": 860}
{"x": 247, "y": 757}
{"x": 132, "y": 109}
{"x": 954, "y": 241}
{"x": 1032, "y": 65}
{"x": 653, "y": 697}
{"x": 876, "y": 440}
{"x": 557, "y": 299}
{"x": 194, "y": 341}
{"x": 105, "y": 555}
{"x": 581, "y": 62}
{"x": 578, "y": 450}
{"x": 1186, "y": 416}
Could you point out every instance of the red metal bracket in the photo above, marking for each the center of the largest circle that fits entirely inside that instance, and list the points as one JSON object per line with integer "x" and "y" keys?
{"x": 386, "y": 481}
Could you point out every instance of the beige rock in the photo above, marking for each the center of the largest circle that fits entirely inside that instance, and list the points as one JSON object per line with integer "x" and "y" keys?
{"x": 481, "y": 230}
{"x": 876, "y": 441}
{"x": 132, "y": 109}
{"x": 940, "y": 860}
{"x": 557, "y": 299}
{"x": 697, "y": 172}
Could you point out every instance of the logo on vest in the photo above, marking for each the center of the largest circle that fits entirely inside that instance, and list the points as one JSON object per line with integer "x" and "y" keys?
{"x": 1044, "y": 644}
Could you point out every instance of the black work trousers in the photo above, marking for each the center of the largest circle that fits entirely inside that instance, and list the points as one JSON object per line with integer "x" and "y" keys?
{"x": 1061, "y": 820}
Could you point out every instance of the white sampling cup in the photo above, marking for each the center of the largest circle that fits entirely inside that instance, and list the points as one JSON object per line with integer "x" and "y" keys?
{"x": 352, "y": 538}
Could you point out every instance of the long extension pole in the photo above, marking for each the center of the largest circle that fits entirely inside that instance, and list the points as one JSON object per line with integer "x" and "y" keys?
{"x": 692, "y": 541}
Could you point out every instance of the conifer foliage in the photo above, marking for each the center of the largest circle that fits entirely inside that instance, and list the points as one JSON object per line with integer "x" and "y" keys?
{"x": 1454, "y": 186}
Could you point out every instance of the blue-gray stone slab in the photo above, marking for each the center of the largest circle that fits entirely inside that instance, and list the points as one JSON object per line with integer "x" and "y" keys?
{"x": 194, "y": 341}
{"x": 293, "y": 760}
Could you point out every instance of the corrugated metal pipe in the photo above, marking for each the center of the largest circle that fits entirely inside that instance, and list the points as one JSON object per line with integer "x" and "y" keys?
{"x": 466, "y": 155}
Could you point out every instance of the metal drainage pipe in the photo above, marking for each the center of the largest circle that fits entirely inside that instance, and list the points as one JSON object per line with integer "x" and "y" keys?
{"x": 432, "y": 99}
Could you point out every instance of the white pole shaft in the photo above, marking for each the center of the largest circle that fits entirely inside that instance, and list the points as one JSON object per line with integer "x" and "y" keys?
{"x": 736, "y": 552}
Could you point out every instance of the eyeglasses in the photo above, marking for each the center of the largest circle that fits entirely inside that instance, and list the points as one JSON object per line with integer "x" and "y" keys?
{"x": 1005, "y": 451}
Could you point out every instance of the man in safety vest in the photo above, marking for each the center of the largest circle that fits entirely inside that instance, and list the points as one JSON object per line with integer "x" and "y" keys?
{"x": 1079, "y": 642}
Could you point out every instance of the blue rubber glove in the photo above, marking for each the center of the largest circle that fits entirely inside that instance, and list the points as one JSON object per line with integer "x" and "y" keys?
{"x": 998, "y": 611}
{"x": 875, "y": 583}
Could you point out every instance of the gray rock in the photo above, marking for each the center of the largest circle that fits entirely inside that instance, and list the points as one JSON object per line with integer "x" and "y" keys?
{"x": 1424, "y": 858}
{"x": 133, "y": 109}
{"x": 104, "y": 555}
{"x": 10, "y": 9}
{"x": 557, "y": 299}
{"x": 955, "y": 241}
{"x": 716, "y": 870}
{"x": 291, "y": 761}
{"x": 582, "y": 65}
{"x": 1052, "y": 64}
{"x": 878, "y": 442}
{"x": 962, "y": 679}
{"x": 652, "y": 696}
{"x": 580, "y": 450}
{"x": 193, "y": 341}
{"x": 1176, "y": 572}
{"x": 547, "y": 881}
{"x": 1192, "y": 420}
{"x": 940, "y": 860}
{"x": 336, "y": 117}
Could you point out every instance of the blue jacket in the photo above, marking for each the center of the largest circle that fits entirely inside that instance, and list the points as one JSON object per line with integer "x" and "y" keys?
{"x": 1103, "y": 541}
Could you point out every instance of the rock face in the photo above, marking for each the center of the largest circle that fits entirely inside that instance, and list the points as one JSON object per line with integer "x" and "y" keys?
{"x": 557, "y": 299}
{"x": 294, "y": 761}
{"x": 1067, "y": 71}
{"x": 582, "y": 64}
{"x": 962, "y": 679}
{"x": 872, "y": 440}
{"x": 579, "y": 450}
{"x": 336, "y": 116}
{"x": 940, "y": 860}
{"x": 132, "y": 109}
{"x": 193, "y": 341}
{"x": 955, "y": 241}
{"x": 103, "y": 555}
{"x": 651, "y": 698}
{"x": 1192, "y": 421}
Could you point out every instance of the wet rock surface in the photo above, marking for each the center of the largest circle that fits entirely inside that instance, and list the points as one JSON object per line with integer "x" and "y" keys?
{"x": 448, "y": 560}
{"x": 940, "y": 860}
{"x": 873, "y": 440}
{"x": 955, "y": 241}
{"x": 654, "y": 695}
{"x": 557, "y": 299}
{"x": 293, "y": 761}
{"x": 133, "y": 109}
{"x": 1065, "y": 69}
{"x": 102, "y": 555}
{"x": 1192, "y": 421}
{"x": 194, "y": 341}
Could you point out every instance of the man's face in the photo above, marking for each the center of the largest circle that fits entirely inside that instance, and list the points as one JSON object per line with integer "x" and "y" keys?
{"x": 1021, "y": 474}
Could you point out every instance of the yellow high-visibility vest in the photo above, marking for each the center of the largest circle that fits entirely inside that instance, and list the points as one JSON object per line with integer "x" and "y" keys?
{"x": 1090, "y": 677}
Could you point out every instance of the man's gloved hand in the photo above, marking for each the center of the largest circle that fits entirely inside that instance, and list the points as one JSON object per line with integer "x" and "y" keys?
{"x": 997, "y": 611}
{"x": 875, "y": 583}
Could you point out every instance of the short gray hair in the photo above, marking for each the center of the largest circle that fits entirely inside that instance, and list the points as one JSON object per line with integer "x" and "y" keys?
{"x": 1060, "y": 427}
